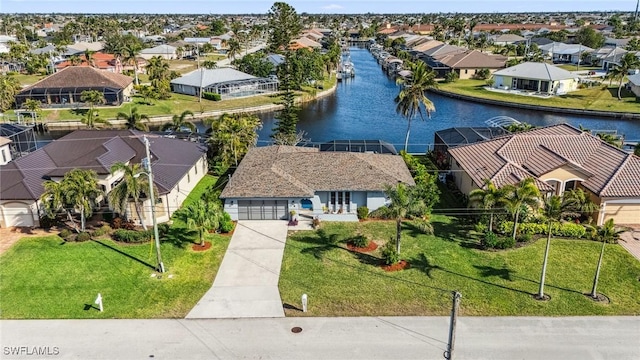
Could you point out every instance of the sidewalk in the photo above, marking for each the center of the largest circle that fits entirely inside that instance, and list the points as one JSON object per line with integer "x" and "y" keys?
{"x": 246, "y": 285}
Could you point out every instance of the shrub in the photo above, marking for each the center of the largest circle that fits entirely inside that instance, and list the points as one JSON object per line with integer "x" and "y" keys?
{"x": 389, "y": 253}
{"x": 226, "y": 224}
{"x": 131, "y": 236}
{"x": 163, "y": 229}
{"x": 482, "y": 74}
{"x": 103, "y": 230}
{"x": 525, "y": 237}
{"x": 47, "y": 222}
{"x": 211, "y": 96}
{"x": 493, "y": 241}
{"x": 65, "y": 233}
{"x": 120, "y": 223}
{"x": 83, "y": 236}
{"x": 565, "y": 229}
{"x": 381, "y": 213}
{"x": 360, "y": 241}
{"x": 363, "y": 212}
{"x": 480, "y": 227}
{"x": 107, "y": 216}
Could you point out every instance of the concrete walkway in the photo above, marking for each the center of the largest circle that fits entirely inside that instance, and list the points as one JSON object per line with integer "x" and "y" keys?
{"x": 630, "y": 240}
{"x": 246, "y": 285}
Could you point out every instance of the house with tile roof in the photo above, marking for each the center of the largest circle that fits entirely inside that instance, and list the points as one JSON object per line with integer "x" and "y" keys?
{"x": 559, "y": 158}
{"x": 177, "y": 167}
{"x": 65, "y": 87}
{"x": 467, "y": 64}
{"x": 273, "y": 180}
{"x": 536, "y": 77}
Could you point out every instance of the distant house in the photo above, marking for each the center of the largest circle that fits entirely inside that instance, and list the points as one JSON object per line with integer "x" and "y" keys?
{"x": 560, "y": 158}
{"x": 5, "y": 151}
{"x": 634, "y": 84}
{"x": 66, "y": 86}
{"x": 607, "y": 57}
{"x": 227, "y": 82}
{"x": 304, "y": 43}
{"x": 537, "y": 77}
{"x": 166, "y": 52}
{"x": 507, "y": 39}
{"x": 467, "y": 64}
{"x": 177, "y": 167}
{"x": 273, "y": 180}
{"x": 565, "y": 53}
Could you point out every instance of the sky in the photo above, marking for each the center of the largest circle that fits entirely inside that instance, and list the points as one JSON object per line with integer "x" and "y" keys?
{"x": 309, "y": 6}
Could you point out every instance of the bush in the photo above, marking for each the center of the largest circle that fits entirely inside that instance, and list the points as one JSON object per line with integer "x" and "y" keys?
{"x": 65, "y": 233}
{"x": 103, "y": 230}
{"x": 363, "y": 212}
{"x": 381, "y": 213}
{"x": 163, "y": 229}
{"x": 493, "y": 241}
{"x": 120, "y": 223}
{"x": 360, "y": 241}
{"x": 389, "y": 253}
{"x": 482, "y": 74}
{"x": 226, "y": 224}
{"x": 525, "y": 237}
{"x": 480, "y": 227}
{"x": 83, "y": 236}
{"x": 565, "y": 229}
{"x": 131, "y": 236}
{"x": 47, "y": 222}
{"x": 211, "y": 96}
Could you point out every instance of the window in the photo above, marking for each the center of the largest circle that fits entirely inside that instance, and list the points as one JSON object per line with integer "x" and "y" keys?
{"x": 188, "y": 177}
{"x": 4, "y": 156}
{"x": 195, "y": 168}
{"x": 466, "y": 71}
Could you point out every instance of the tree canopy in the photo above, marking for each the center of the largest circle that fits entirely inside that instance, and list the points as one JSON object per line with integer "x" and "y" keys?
{"x": 283, "y": 25}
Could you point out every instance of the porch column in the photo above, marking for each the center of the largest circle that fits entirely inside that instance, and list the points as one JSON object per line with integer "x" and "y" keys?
{"x": 539, "y": 85}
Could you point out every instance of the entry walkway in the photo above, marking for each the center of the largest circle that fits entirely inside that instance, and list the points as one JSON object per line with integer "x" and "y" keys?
{"x": 246, "y": 285}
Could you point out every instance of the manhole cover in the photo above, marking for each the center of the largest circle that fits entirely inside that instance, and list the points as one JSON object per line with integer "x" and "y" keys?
{"x": 296, "y": 329}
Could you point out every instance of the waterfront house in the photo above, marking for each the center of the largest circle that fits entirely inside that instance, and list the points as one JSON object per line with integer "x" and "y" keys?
{"x": 634, "y": 84}
{"x": 227, "y": 82}
{"x": 273, "y": 180}
{"x": 5, "y": 150}
{"x": 559, "y": 158}
{"x": 507, "y": 39}
{"x": 535, "y": 77}
{"x": 177, "y": 167}
{"x": 467, "y": 64}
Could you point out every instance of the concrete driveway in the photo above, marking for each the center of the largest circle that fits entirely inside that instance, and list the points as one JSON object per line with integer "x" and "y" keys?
{"x": 246, "y": 285}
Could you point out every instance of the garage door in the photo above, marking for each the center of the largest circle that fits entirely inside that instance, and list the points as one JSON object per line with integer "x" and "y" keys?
{"x": 262, "y": 209}
{"x": 623, "y": 213}
{"x": 17, "y": 215}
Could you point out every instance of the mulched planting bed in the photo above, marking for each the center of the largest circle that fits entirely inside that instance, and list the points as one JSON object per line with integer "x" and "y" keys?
{"x": 198, "y": 247}
{"x": 400, "y": 265}
{"x": 372, "y": 246}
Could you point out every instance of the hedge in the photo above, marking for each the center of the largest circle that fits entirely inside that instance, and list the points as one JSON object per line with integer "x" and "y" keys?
{"x": 211, "y": 96}
{"x": 565, "y": 229}
{"x": 132, "y": 236}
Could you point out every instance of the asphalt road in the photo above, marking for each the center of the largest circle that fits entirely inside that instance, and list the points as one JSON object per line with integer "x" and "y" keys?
{"x": 323, "y": 338}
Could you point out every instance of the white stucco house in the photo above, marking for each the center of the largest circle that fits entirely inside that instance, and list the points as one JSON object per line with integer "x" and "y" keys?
{"x": 271, "y": 181}
{"x": 536, "y": 77}
{"x": 166, "y": 52}
{"x": 5, "y": 151}
{"x": 177, "y": 167}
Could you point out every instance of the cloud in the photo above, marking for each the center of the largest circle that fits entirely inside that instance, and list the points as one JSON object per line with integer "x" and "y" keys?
{"x": 333, "y": 7}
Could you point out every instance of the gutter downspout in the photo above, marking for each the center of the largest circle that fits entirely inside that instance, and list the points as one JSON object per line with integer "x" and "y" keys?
{"x": 603, "y": 208}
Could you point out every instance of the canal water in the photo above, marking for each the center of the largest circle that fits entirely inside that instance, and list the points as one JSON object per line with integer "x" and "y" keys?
{"x": 364, "y": 108}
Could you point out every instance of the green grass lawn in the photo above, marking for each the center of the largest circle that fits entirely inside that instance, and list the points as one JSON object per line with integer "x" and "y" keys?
{"x": 595, "y": 98}
{"x": 46, "y": 277}
{"x": 573, "y": 67}
{"x": 342, "y": 283}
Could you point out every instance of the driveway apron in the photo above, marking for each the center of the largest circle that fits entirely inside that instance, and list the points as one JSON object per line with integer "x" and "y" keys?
{"x": 246, "y": 285}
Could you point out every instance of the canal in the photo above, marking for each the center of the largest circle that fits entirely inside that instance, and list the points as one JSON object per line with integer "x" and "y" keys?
{"x": 364, "y": 108}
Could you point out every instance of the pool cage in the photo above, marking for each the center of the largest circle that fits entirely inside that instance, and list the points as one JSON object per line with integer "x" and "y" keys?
{"x": 62, "y": 97}
{"x": 245, "y": 87}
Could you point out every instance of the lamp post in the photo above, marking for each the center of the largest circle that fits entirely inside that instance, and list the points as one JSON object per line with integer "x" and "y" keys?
{"x": 147, "y": 165}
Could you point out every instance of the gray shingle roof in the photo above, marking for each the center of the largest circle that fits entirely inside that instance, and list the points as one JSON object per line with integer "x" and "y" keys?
{"x": 610, "y": 172}
{"x": 97, "y": 150}
{"x": 288, "y": 171}
{"x": 209, "y": 77}
{"x": 536, "y": 71}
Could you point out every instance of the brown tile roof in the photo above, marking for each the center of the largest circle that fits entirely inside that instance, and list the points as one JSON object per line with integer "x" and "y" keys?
{"x": 427, "y": 45}
{"x": 610, "y": 172}
{"x": 288, "y": 171}
{"x": 472, "y": 59}
{"x": 82, "y": 76}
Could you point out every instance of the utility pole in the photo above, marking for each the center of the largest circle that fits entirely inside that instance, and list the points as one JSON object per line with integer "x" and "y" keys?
{"x": 635, "y": 14}
{"x": 152, "y": 199}
{"x": 448, "y": 354}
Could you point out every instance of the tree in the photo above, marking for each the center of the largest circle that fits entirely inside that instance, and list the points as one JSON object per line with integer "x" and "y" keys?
{"x": 93, "y": 98}
{"x": 636, "y": 149}
{"x": 403, "y": 204}
{"x": 77, "y": 190}
{"x": 589, "y": 38}
{"x": 202, "y": 216}
{"x": 283, "y": 26}
{"x": 555, "y": 208}
{"x": 628, "y": 62}
{"x": 412, "y": 98}
{"x": 489, "y": 197}
{"x": 210, "y": 64}
{"x": 520, "y": 196}
{"x": 233, "y": 135}
{"x": 581, "y": 203}
{"x": 34, "y": 106}
{"x": 160, "y": 76}
{"x": 130, "y": 187}
{"x": 134, "y": 120}
{"x": 9, "y": 88}
{"x": 606, "y": 233}
{"x": 284, "y": 133}
{"x": 233, "y": 49}
{"x": 179, "y": 122}
{"x": 610, "y": 139}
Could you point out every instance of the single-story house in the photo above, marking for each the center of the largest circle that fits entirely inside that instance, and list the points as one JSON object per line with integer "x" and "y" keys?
{"x": 559, "y": 158}
{"x": 273, "y": 180}
{"x": 507, "y": 39}
{"x": 304, "y": 42}
{"x": 634, "y": 84}
{"x": 64, "y": 88}
{"x": 166, "y": 52}
{"x": 565, "y": 53}
{"x": 177, "y": 167}
{"x": 227, "y": 82}
{"x": 467, "y": 64}
{"x": 537, "y": 77}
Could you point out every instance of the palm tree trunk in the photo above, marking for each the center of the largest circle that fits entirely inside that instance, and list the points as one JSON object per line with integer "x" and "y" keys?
{"x": 398, "y": 230}
{"x": 406, "y": 139}
{"x": 135, "y": 70}
{"x": 620, "y": 90}
{"x": 491, "y": 222}
{"x": 515, "y": 224}
{"x": 201, "y": 237}
{"x": 73, "y": 222}
{"x": 82, "y": 221}
{"x": 139, "y": 213}
{"x": 544, "y": 264}
{"x": 594, "y": 294}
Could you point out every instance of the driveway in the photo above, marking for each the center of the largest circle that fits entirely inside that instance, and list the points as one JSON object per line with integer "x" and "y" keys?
{"x": 630, "y": 240}
{"x": 246, "y": 285}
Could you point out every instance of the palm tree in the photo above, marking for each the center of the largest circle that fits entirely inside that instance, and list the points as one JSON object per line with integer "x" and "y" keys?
{"x": 606, "y": 233}
{"x": 179, "y": 121}
{"x": 555, "y": 208}
{"x": 233, "y": 49}
{"x": 233, "y": 135}
{"x": 9, "y": 88}
{"x": 489, "y": 197}
{"x": 403, "y": 204}
{"x": 518, "y": 197}
{"x": 412, "y": 98}
{"x": 134, "y": 120}
{"x": 628, "y": 62}
{"x": 610, "y": 139}
{"x": 130, "y": 52}
{"x": 54, "y": 201}
{"x": 582, "y": 203}
{"x": 210, "y": 64}
{"x": 130, "y": 187}
{"x": 93, "y": 98}
{"x": 202, "y": 216}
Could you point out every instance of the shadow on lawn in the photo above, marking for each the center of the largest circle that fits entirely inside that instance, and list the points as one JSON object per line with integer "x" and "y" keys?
{"x": 125, "y": 254}
{"x": 546, "y": 284}
{"x": 180, "y": 237}
{"x": 323, "y": 241}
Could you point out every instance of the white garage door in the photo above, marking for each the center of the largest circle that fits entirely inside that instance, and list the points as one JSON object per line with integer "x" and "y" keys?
{"x": 262, "y": 209}
{"x": 17, "y": 215}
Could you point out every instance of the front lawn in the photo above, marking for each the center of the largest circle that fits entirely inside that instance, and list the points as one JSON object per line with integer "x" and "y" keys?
{"x": 343, "y": 283}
